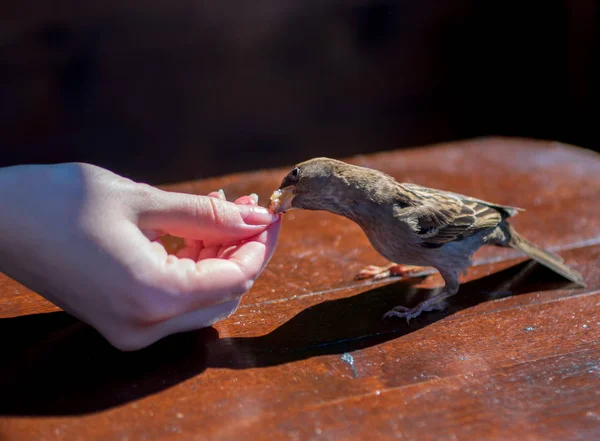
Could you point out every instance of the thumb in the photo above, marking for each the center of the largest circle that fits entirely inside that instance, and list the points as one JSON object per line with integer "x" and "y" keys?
{"x": 202, "y": 217}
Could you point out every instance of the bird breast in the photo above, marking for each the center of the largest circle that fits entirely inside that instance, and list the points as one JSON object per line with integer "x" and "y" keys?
{"x": 392, "y": 237}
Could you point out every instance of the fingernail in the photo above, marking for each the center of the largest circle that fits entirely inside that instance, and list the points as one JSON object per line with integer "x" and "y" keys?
{"x": 255, "y": 197}
{"x": 222, "y": 194}
{"x": 256, "y": 215}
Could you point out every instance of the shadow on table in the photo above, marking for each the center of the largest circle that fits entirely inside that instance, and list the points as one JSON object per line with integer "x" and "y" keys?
{"x": 54, "y": 364}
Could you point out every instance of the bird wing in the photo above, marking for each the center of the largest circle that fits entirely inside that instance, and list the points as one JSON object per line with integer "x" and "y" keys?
{"x": 439, "y": 217}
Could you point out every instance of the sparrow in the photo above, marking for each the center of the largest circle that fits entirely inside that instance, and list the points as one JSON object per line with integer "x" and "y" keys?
{"x": 412, "y": 226}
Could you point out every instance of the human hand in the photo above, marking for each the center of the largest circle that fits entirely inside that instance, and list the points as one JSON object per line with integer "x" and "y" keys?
{"x": 88, "y": 240}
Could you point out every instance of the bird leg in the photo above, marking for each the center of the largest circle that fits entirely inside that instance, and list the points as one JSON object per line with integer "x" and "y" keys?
{"x": 435, "y": 303}
{"x": 392, "y": 269}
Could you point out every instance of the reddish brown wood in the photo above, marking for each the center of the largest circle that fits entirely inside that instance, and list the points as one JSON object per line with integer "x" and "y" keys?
{"x": 306, "y": 356}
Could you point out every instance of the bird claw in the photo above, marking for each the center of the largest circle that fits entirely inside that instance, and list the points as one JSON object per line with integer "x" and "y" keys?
{"x": 403, "y": 312}
{"x": 383, "y": 272}
{"x": 373, "y": 272}
{"x": 410, "y": 313}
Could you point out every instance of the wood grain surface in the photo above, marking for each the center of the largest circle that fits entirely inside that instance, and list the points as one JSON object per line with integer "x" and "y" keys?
{"x": 307, "y": 355}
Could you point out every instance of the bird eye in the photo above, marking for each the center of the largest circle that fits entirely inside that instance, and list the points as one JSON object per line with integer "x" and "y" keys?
{"x": 291, "y": 178}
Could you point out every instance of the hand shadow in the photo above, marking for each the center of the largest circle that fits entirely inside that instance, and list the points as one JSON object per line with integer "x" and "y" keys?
{"x": 53, "y": 364}
{"x": 72, "y": 370}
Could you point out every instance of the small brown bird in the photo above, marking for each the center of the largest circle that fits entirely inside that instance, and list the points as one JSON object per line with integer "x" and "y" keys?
{"x": 408, "y": 223}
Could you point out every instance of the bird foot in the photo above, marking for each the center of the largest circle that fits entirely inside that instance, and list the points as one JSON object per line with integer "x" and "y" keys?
{"x": 432, "y": 304}
{"x": 383, "y": 272}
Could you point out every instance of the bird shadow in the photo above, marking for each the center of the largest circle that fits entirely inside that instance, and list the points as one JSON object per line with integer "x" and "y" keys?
{"x": 53, "y": 364}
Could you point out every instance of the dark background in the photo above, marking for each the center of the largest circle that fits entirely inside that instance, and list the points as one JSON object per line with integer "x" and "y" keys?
{"x": 168, "y": 90}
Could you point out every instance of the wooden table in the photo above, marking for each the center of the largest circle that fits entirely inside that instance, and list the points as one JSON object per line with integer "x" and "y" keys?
{"x": 307, "y": 355}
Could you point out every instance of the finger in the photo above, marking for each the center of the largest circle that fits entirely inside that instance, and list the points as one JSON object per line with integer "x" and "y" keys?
{"x": 243, "y": 200}
{"x": 218, "y": 194}
{"x": 268, "y": 238}
{"x": 226, "y": 251}
{"x": 191, "y": 250}
{"x": 201, "y": 217}
{"x": 189, "y": 285}
{"x": 247, "y": 200}
{"x": 199, "y": 318}
{"x": 209, "y": 252}
{"x": 152, "y": 235}
{"x": 190, "y": 321}
{"x": 159, "y": 250}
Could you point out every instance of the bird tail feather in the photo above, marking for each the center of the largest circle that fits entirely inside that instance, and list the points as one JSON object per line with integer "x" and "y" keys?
{"x": 546, "y": 258}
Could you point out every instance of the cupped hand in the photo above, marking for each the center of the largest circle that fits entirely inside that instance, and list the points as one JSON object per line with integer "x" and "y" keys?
{"x": 90, "y": 241}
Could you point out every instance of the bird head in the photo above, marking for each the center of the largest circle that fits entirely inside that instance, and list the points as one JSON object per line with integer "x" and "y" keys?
{"x": 309, "y": 185}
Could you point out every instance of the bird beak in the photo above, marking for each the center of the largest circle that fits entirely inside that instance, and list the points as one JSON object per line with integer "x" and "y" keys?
{"x": 281, "y": 200}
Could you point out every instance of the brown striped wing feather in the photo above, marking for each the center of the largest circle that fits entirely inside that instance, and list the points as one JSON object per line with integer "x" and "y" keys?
{"x": 439, "y": 217}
